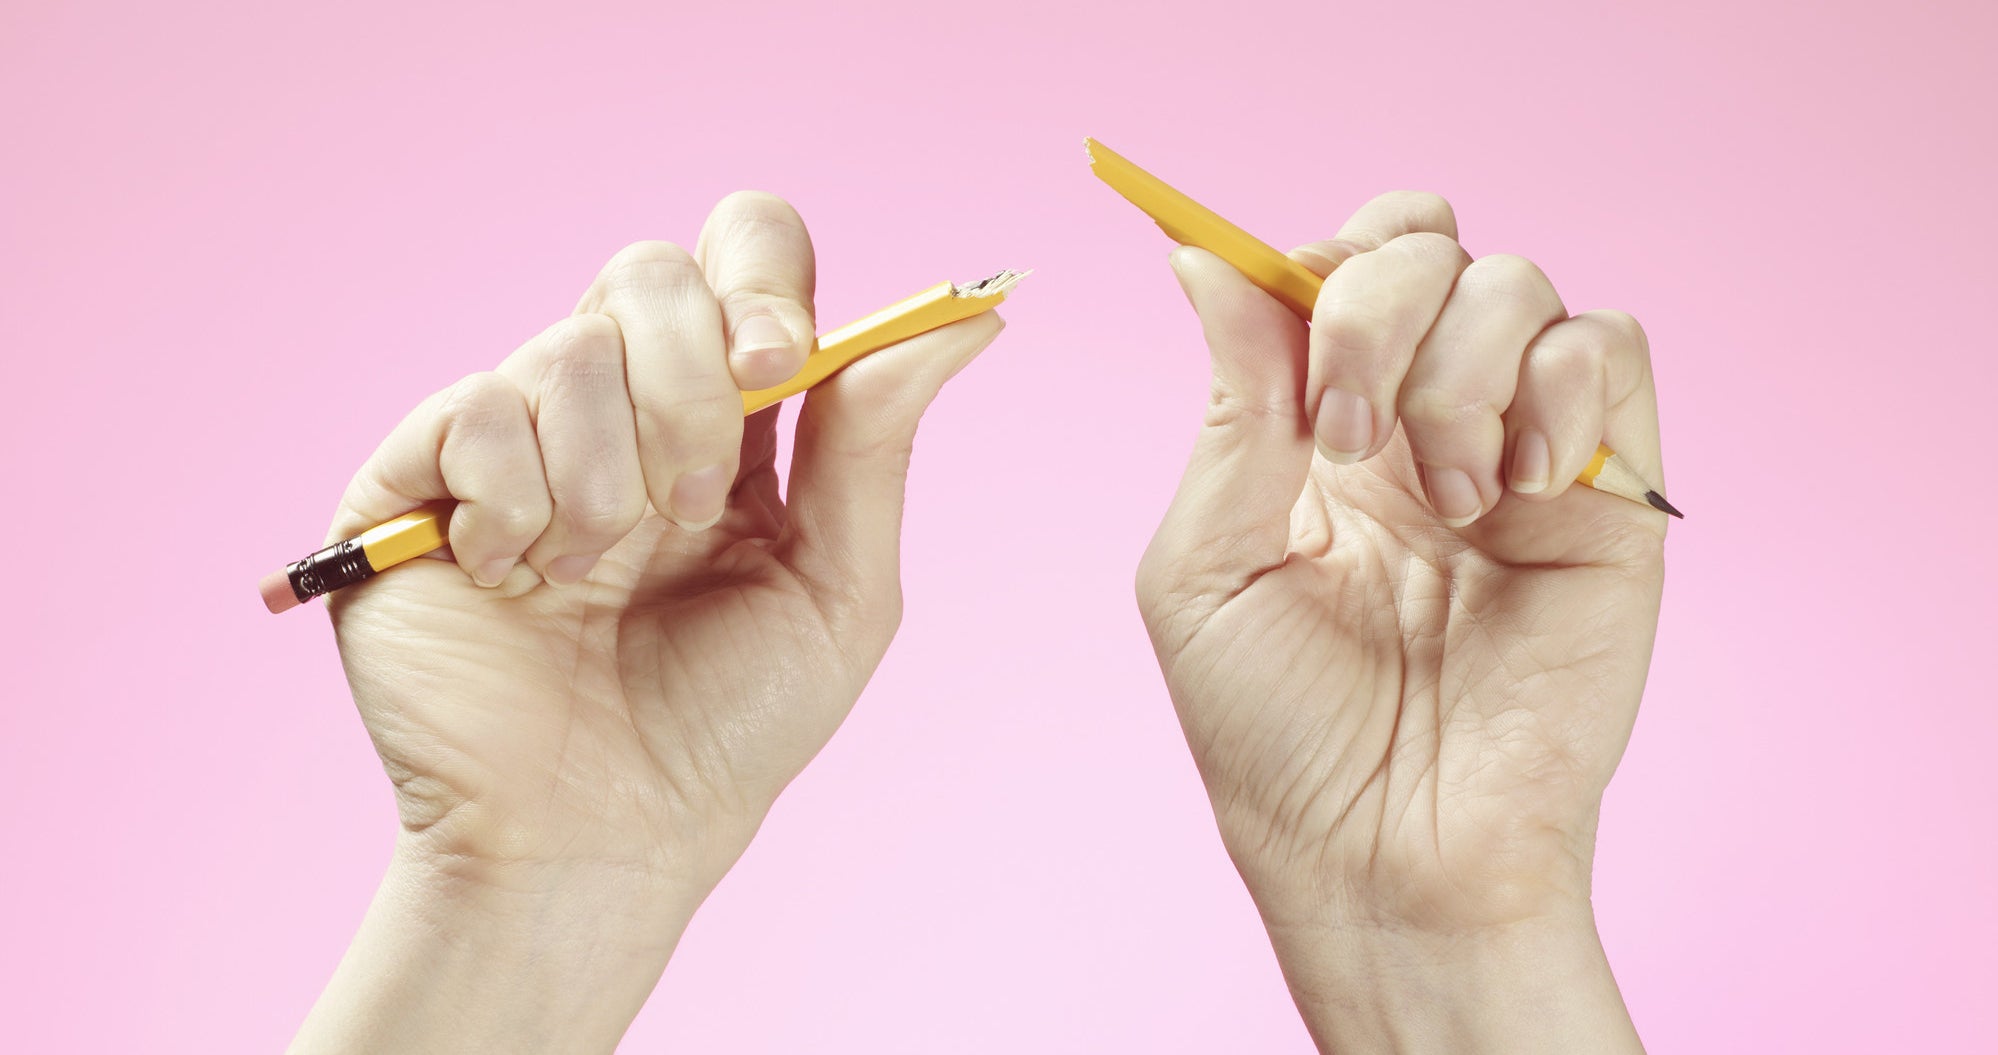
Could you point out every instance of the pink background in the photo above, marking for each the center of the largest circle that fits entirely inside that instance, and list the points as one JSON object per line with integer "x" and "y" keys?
{"x": 241, "y": 239}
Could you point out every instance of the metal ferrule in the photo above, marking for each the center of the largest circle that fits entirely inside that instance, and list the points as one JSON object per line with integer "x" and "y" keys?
{"x": 338, "y": 565}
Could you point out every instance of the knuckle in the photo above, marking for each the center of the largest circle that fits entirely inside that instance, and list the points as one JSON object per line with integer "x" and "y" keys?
{"x": 1623, "y": 326}
{"x": 703, "y": 421}
{"x": 1426, "y": 209}
{"x": 1504, "y": 271}
{"x": 598, "y": 513}
{"x": 890, "y": 447}
{"x": 1426, "y": 246}
{"x": 589, "y": 337}
{"x": 643, "y": 265}
{"x": 747, "y": 298}
{"x": 702, "y": 410}
{"x": 482, "y": 401}
{"x": 1625, "y": 350}
{"x": 1353, "y": 327}
{"x": 584, "y": 352}
{"x": 765, "y": 245}
{"x": 893, "y": 453}
{"x": 518, "y": 518}
{"x": 1427, "y": 406}
{"x": 1509, "y": 280}
{"x": 1566, "y": 352}
{"x": 1563, "y": 366}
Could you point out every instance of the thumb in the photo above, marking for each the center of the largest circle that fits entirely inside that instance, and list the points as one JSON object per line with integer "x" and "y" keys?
{"x": 854, "y": 438}
{"x": 1230, "y": 520}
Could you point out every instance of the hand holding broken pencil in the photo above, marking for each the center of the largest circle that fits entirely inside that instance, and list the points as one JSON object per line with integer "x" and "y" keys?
{"x": 1406, "y": 653}
{"x": 636, "y": 641}
{"x": 1405, "y": 650}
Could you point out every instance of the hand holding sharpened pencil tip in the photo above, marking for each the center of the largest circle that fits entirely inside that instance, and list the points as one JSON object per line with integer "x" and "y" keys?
{"x": 1296, "y": 282}
{"x": 1407, "y": 655}
{"x": 641, "y": 642}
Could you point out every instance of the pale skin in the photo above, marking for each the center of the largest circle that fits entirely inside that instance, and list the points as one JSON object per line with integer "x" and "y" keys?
{"x": 582, "y": 746}
{"x": 1405, "y": 700}
{"x": 1407, "y": 651}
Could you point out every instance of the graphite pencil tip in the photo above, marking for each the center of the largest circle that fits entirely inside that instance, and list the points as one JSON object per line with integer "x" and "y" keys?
{"x": 1659, "y": 503}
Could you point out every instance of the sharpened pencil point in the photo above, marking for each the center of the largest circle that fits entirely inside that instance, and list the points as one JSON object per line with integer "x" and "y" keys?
{"x": 1659, "y": 503}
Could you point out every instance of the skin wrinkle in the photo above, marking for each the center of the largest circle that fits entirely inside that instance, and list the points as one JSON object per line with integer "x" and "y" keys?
{"x": 1469, "y": 619}
{"x": 836, "y": 606}
{"x": 1245, "y": 710}
{"x": 1312, "y": 685}
{"x": 1249, "y": 712}
{"x": 745, "y": 727}
{"x": 1472, "y": 706}
{"x": 661, "y": 767}
{"x": 1282, "y": 829}
{"x": 1376, "y": 781}
{"x": 644, "y": 717}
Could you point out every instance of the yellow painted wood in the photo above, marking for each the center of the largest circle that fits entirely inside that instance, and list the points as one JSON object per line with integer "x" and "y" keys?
{"x": 407, "y": 537}
{"x": 1190, "y": 223}
{"x": 938, "y": 306}
{"x": 424, "y": 529}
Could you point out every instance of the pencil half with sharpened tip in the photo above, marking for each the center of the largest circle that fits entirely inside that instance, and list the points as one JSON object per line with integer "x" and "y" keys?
{"x": 1610, "y": 474}
{"x": 1190, "y": 223}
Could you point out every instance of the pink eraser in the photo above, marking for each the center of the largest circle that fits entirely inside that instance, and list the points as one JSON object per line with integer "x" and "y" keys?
{"x": 277, "y": 591}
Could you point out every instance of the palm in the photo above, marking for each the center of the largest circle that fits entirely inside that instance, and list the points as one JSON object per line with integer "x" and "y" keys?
{"x": 595, "y": 716}
{"x": 1453, "y": 702}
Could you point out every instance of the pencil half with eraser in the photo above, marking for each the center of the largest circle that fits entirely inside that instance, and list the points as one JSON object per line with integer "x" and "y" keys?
{"x": 426, "y": 528}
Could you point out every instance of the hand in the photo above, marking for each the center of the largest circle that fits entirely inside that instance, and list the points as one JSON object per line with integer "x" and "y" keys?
{"x": 634, "y": 643}
{"x": 1407, "y": 664}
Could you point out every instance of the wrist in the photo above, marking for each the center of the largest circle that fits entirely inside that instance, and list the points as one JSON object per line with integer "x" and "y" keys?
{"x": 1536, "y": 984}
{"x": 1476, "y": 876}
{"x": 448, "y": 871}
{"x": 667, "y": 851}
{"x": 550, "y": 905}
{"x": 464, "y": 956}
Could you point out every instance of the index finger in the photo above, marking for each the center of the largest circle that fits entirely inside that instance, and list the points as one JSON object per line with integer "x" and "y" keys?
{"x": 758, "y": 258}
{"x": 1377, "y": 223}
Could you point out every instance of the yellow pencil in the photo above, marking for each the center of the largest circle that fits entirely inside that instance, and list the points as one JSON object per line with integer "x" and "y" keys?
{"x": 1190, "y": 223}
{"x": 425, "y": 528}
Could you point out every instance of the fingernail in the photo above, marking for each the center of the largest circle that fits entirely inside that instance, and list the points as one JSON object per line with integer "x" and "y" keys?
{"x": 562, "y": 571}
{"x": 760, "y": 332}
{"x": 492, "y": 572}
{"x": 1330, "y": 254}
{"x": 760, "y": 351}
{"x": 1453, "y": 496}
{"x": 1345, "y": 427}
{"x": 698, "y": 498}
{"x": 1532, "y": 462}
